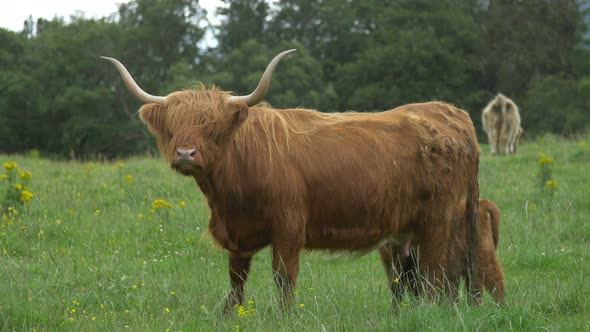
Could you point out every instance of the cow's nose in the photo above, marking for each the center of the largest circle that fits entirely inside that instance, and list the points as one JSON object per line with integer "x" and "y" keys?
{"x": 182, "y": 154}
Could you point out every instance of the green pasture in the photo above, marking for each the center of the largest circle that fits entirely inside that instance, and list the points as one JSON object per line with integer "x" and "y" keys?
{"x": 105, "y": 246}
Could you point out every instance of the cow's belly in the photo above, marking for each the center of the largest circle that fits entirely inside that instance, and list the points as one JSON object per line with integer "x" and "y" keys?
{"x": 347, "y": 231}
{"x": 338, "y": 223}
{"x": 350, "y": 239}
{"x": 359, "y": 239}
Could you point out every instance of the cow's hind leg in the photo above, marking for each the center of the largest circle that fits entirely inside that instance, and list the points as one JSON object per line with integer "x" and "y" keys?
{"x": 513, "y": 141}
{"x": 391, "y": 257}
{"x": 511, "y": 138}
{"x": 493, "y": 142}
{"x": 433, "y": 258}
{"x": 239, "y": 266}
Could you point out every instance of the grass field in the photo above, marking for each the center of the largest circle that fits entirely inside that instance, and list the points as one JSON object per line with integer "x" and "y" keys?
{"x": 94, "y": 251}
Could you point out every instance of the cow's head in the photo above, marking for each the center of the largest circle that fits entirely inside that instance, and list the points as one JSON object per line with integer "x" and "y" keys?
{"x": 193, "y": 127}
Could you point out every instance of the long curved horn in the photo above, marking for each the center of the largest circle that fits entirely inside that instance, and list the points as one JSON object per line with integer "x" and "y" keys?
{"x": 133, "y": 87}
{"x": 260, "y": 91}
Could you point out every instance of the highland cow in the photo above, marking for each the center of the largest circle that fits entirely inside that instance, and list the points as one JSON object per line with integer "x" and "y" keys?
{"x": 299, "y": 179}
{"x": 501, "y": 122}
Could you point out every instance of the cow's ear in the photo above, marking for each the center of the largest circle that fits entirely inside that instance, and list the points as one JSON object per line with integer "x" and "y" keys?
{"x": 153, "y": 116}
{"x": 238, "y": 115}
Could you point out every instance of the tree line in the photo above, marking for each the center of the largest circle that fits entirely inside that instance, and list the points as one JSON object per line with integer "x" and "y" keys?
{"x": 59, "y": 97}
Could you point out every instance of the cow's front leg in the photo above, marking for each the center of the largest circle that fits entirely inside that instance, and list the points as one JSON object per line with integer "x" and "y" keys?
{"x": 239, "y": 265}
{"x": 285, "y": 265}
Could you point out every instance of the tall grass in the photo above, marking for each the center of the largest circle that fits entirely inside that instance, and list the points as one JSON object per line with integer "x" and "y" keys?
{"x": 92, "y": 251}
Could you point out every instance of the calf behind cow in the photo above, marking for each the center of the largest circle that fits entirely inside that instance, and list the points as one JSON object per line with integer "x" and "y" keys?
{"x": 299, "y": 179}
{"x": 490, "y": 274}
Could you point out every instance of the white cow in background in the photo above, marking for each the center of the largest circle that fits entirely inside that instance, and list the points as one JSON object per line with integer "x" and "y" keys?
{"x": 501, "y": 122}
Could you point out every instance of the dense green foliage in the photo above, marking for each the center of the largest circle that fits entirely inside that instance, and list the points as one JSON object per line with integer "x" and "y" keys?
{"x": 98, "y": 248}
{"x": 57, "y": 96}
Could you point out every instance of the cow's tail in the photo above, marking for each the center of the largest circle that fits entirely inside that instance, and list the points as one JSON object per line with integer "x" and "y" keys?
{"x": 472, "y": 227}
{"x": 492, "y": 209}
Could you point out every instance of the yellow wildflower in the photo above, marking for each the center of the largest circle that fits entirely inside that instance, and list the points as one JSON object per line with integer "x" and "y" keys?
{"x": 4, "y": 176}
{"x": 301, "y": 305}
{"x": 121, "y": 165}
{"x": 129, "y": 179}
{"x": 396, "y": 280}
{"x": 182, "y": 204}
{"x": 551, "y": 184}
{"x": 26, "y": 196}
{"x": 18, "y": 187}
{"x": 160, "y": 204}
{"x": 544, "y": 159}
{"x": 167, "y": 309}
{"x": 10, "y": 165}
{"x": 97, "y": 212}
{"x": 25, "y": 175}
{"x": 243, "y": 312}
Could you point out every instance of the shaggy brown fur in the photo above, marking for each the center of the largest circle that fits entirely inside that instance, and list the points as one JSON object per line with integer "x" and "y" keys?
{"x": 300, "y": 179}
{"x": 501, "y": 122}
{"x": 490, "y": 272}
